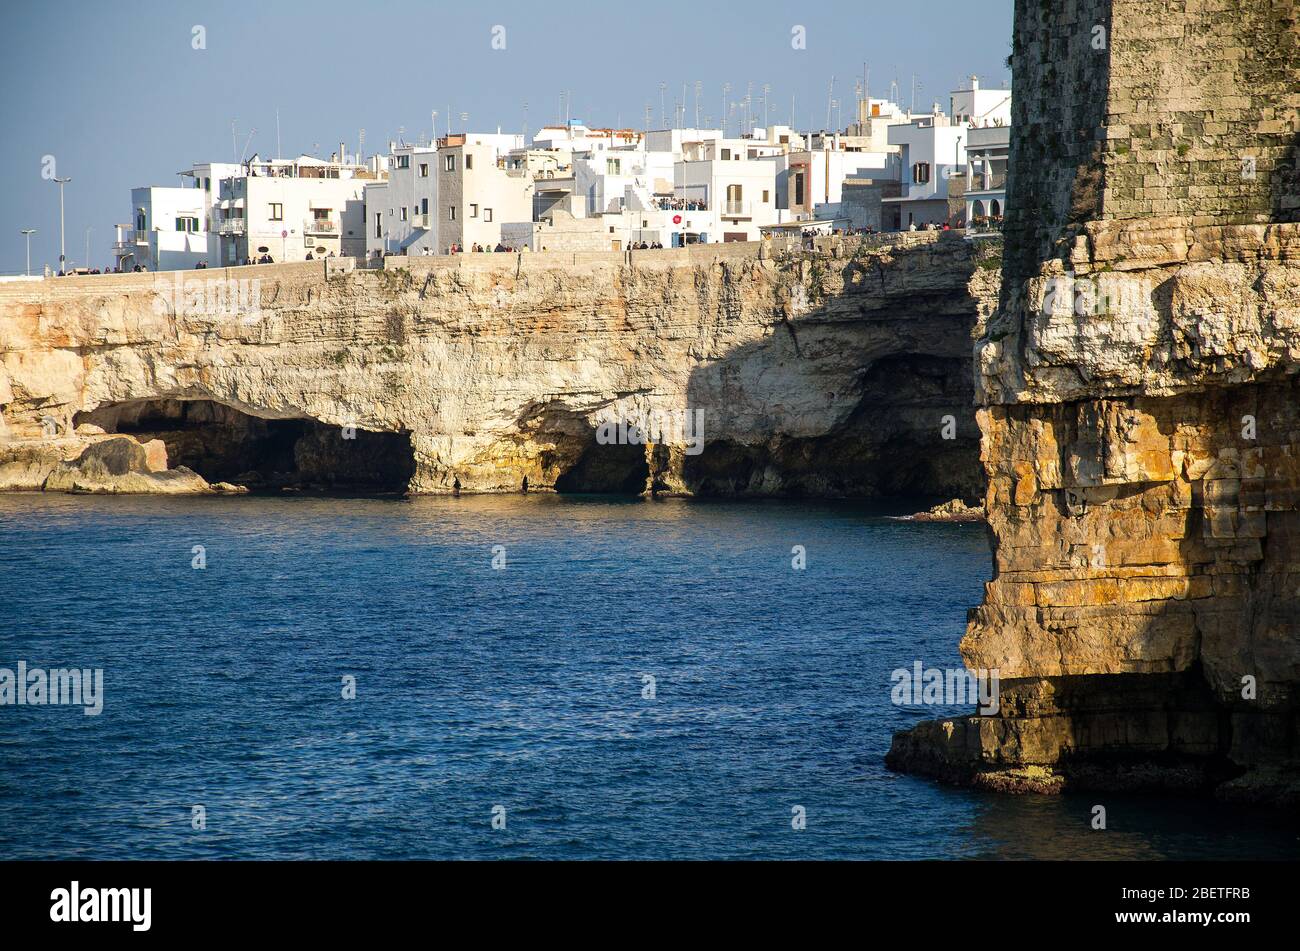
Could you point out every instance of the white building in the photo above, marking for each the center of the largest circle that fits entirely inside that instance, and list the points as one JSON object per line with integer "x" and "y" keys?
{"x": 730, "y": 190}
{"x": 478, "y": 190}
{"x": 988, "y": 150}
{"x": 290, "y": 209}
{"x": 402, "y": 212}
{"x": 981, "y": 108}
{"x": 931, "y": 151}
{"x": 167, "y": 232}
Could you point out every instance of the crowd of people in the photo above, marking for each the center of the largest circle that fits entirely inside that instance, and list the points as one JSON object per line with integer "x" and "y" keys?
{"x": 682, "y": 204}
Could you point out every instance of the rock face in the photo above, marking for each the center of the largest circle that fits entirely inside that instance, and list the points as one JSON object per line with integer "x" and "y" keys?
{"x": 842, "y": 370}
{"x": 1140, "y": 412}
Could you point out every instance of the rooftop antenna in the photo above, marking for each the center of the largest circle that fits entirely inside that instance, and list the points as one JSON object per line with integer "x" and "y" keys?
{"x": 247, "y": 143}
{"x": 234, "y": 142}
{"x": 726, "y": 91}
{"x": 433, "y": 115}
{"x": 525, "y": 123}
{"x": 361, "y": 144}
{"x": 277, "y": 133}
{"x": 915, "y": 87}
{"x": 663, "y": 110}
{"x": 767, "y": 92}
{"x": 698, "y": 87}
{"x": 830, "y": 102}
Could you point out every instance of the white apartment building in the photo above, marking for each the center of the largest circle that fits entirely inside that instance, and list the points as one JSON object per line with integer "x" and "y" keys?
{"x": 931, "y": 151}
{"x": 290, "y": 209}
{"x": 478, "y": 190}
{"x": 168, "y": 229}
{"x": 402, "y": 212}
{"x": 730, "y": 189}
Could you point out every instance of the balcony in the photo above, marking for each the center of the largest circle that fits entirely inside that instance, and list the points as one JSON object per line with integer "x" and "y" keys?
{"x": 320, "y": 226}
{"x": 131, "y": 240}
{"x": 232, "y": 226}
{"x": 420, "y": 222}
{"x": 736, "y": 209}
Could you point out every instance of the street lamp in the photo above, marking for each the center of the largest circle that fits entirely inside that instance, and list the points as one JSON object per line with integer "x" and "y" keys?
{"x": 29, "y": 232}
{"x": 62, "y": 255}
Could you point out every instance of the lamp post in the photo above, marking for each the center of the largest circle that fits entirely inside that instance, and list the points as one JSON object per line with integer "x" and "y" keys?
{"x": 29, "y": 232}
{"x": 62, "y": 255}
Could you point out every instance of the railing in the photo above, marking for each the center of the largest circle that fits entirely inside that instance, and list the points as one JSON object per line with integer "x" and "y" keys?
{"x": 319, "y": 226}
{"x": 131, "y": 240}
{"x": 420, "y": 222}
{"x": 231, "y": 226}
{"x": 736, "y": 209}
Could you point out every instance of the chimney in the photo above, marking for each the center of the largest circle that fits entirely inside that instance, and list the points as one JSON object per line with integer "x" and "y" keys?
{"x": 343, "y": 156}
{"x": 974, "y": 83}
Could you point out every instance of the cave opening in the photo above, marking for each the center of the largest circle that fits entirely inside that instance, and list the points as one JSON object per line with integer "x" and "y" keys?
{"x": 609, "y": 469}
{"x": 223, "y": 444}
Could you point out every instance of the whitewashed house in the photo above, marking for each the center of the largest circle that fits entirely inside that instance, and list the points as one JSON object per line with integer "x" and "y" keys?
{"x": 168, "y": 230}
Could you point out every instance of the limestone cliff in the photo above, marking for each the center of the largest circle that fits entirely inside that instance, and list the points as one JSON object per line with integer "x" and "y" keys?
{"x": 820, "y": 372}
{"x": 1140, "y": 412}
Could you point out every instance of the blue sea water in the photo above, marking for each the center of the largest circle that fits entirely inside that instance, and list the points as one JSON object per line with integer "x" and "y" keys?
{"x": 520, "y": 687}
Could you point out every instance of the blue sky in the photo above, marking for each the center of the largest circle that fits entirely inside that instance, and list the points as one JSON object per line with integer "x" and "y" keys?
{"x": 119, "y": 96}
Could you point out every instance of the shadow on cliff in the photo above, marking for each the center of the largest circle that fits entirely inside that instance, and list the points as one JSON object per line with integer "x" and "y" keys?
{"x": 870, "y": 397}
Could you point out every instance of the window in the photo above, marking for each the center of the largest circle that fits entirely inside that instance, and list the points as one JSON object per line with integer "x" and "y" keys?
{"x": 403, "y": 214}
{"x": 487, "y": 214}
{"x": 188, "y": 225}
{"x": 321, "y": 214}
{"x": 379, "y": 224}
{"x": 798, "y": 189}
{"x": 469, "y": 161}
{"x": 140, "y": 224}
{"x": 726, "y": 155}
{"x": 424, "y": 206}
{"x": 449, "y": 163}
{"x": 403, "y": 161}
{"x": 765, "y": 195}
{"x": 612, "y": 166}
{"x": 473, "y": 210}
{"x": 277, "y": 211}
{"x": 451, "y": 213}
{"x": 921, "y": 173}
{"x": 207, "y": 184}
{"x": 424, "y": 169}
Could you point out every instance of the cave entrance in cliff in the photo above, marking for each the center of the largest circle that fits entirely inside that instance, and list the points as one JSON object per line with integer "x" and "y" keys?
{"x": 223, "y": 444}
{"x": 610, "y": 469}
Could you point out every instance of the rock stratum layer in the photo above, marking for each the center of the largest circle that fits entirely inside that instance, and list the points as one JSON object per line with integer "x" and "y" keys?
{"x": 839, "y": 371}
{"x": 1140, "y": 413}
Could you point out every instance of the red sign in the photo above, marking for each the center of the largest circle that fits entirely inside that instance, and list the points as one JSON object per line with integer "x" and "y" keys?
{"x": 677, "y": 219}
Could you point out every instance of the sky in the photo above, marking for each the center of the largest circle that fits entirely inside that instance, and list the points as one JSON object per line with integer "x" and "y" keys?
{"x": 116, "y": 95}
